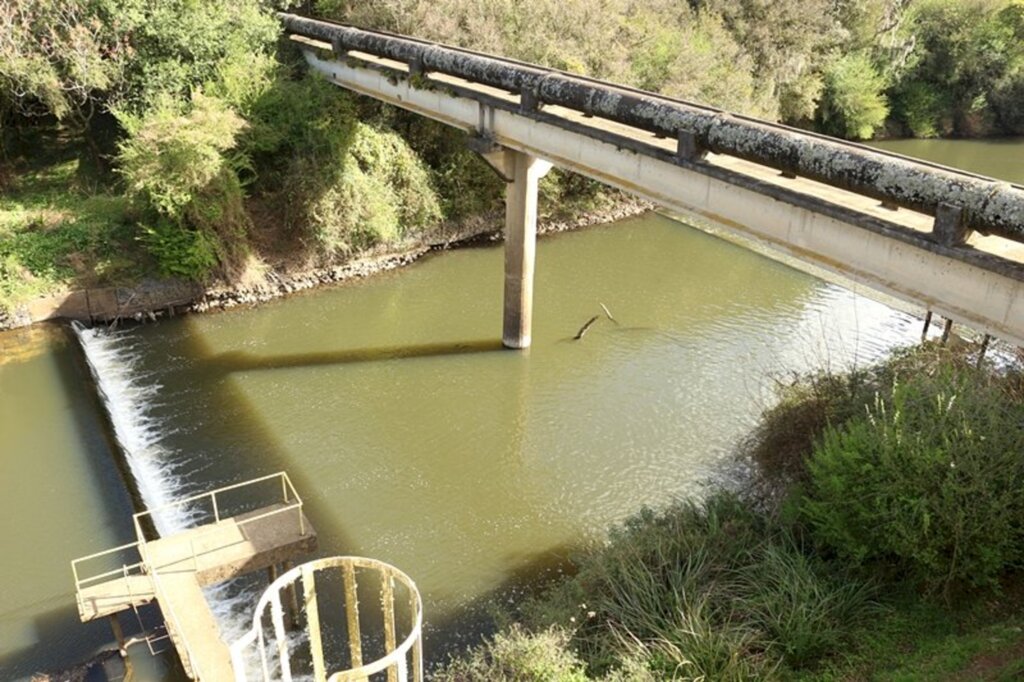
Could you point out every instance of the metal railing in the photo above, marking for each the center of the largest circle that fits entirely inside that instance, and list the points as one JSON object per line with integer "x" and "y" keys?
{"x": 402, "y": 661}
{"x": 144, "y": 567}
{"x": 125, "y": 570}
{"x": 289, "y": 498}
{"x": 987, "y": 205}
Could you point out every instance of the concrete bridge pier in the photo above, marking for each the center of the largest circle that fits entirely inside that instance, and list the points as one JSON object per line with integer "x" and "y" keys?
{"x": 522, "y": 172}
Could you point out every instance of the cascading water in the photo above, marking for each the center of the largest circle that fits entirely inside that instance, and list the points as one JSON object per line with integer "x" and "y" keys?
{"x": 113, "y": 361}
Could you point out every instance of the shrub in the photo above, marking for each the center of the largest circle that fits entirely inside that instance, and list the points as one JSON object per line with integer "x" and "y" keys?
{"x": 518, "y": 656}
{"x": 921, "y": 109}
{"x": 784, "y": 438}
{"x": 179, "y": 252}
{"x": 176, "y": 162}
{"x": 854, "y": 105}
{"x": 293, "y": 120}
{"x": 376, "y": 193}
{"x": 929, "y": 480}
{"x": 172, "y": 152}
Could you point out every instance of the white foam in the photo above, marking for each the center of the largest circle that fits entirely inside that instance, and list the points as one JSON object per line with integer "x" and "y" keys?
{"x": 113, "y": 360}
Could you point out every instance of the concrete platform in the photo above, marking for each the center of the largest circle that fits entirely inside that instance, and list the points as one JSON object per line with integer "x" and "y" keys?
{"x": 174, "y": 569}
{"x": 114, "y": 596}
{"x": 235, "y": 546}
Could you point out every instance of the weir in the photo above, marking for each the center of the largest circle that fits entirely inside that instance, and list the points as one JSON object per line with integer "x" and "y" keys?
{"x": 943, "y": 240}
{"x": 172, "y": 570}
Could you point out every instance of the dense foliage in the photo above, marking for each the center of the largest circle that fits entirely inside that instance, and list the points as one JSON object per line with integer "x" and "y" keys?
{"x": 233, "y": 153}
{"x": 929, "y": 480}
{"x": 894, "y": 480}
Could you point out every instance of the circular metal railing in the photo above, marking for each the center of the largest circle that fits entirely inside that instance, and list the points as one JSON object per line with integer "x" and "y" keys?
{"x": 332, "y": 643}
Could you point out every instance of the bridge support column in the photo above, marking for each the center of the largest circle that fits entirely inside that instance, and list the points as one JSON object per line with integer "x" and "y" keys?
{"x": 524, "y": 172}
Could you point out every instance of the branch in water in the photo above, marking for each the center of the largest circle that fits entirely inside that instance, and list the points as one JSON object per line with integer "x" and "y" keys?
{"x": 583, "y": 330}
{"x": 607, "y": 312}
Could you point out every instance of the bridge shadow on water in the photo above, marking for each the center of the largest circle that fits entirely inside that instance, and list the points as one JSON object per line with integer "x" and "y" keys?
{"x": 242, "y": 445}
{"x": 241, "y": 361}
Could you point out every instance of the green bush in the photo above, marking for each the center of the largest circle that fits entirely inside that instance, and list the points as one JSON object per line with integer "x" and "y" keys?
{"x": 180, "y": 252}
{"x": 173, "y": 152}
{"x": 376, "y": 193}
{"x": 921, "y": 109}
{"x": 518, "y": 656}
{"x": 854, "y": 104}
{"x": 177, "y": 162}
{"x": 294, "y": 120}
{"x": 929, "y": 480}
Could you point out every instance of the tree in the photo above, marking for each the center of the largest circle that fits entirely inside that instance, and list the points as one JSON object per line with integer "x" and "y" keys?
{"x": 787, "y": 40}
{"x": 854, "y": 105}
{"x": 968, "y": 53}
{"x": 59, "y": 56}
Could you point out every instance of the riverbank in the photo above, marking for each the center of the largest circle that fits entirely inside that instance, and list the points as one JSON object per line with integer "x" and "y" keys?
{"x": 154, "y": 298}
{"x": 880, "y": 536}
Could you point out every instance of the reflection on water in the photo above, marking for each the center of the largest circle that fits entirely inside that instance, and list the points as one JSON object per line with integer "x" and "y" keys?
{"x": 415, "y": 440}
{"x": 1001, "y": 158}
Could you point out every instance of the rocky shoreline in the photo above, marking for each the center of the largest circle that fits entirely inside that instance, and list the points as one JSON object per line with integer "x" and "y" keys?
{"x": 152, "y": 299}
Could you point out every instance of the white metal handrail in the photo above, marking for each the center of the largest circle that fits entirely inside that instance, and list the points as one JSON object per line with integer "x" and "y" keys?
{"x": 139, "y": 545}
{"x": 286, "y": 487}
{"x": 168, "y": 610}
{"x": 397, "y": 655}
{"x": 288, "y": 492}
{"x": 136, "y": 568}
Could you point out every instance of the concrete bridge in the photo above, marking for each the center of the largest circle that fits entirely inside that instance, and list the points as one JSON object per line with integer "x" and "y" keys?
{"x": 945, "y": 240}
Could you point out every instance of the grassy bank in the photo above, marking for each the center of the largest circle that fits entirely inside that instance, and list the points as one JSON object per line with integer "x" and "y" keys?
{"x": 60, "y": 225}
{"x": 881, "y": 538}
{"x": 65, "y": 224}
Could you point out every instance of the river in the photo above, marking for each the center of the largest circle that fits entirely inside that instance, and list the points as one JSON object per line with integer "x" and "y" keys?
{"x": 412, "y": 437}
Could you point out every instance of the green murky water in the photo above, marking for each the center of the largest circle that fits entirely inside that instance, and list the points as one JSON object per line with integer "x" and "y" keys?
{"x": 411, "y": 435}
{"x": 1001, "y": 158}
{"x": 414, "y": 438}
{"x": 62, "y": 498}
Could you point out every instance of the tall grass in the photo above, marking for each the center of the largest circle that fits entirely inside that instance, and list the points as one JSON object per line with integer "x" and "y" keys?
{"x": 917, "y": 459}
{"x": 711, "y": 590}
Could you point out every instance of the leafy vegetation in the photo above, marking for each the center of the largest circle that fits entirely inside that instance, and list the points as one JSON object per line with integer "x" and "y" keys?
{"x": 929, "y": 480}
{"x": 233, "y": 154}
{"x": 823, "y": 570}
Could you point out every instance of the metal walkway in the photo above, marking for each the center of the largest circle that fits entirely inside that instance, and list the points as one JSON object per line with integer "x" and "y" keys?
{"x": 173, "y": 570}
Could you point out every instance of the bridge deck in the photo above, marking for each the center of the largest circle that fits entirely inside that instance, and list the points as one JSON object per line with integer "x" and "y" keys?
{"x": 919, "y": 222}
{"x": 903, "y": 254}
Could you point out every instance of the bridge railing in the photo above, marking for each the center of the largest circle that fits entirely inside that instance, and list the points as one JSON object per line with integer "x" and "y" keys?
{"x": 979, "y": 203}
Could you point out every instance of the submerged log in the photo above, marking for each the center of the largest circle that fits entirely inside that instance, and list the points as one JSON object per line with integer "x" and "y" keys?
{"x": 585, "y": 328}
